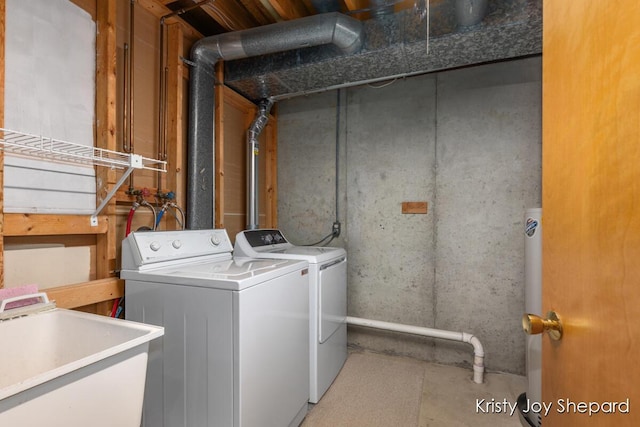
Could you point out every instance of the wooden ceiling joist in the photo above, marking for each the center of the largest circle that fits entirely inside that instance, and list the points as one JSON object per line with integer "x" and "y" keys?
{"x": 289, "y": 9}
{"x": 263, "y": 15}
{"x": 236, "y": 15}
{"x": 159, "y": 10}
{"x": 227, "y": 12}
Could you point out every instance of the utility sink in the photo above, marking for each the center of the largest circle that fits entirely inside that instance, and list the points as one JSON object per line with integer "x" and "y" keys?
{"x": 67, "y": 368}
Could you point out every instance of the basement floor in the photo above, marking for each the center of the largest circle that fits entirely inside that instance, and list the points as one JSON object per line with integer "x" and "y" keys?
{"x": 377, "y": 390}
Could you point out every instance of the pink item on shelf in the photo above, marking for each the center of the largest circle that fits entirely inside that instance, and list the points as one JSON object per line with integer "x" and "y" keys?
{"x": 15, "y": 292}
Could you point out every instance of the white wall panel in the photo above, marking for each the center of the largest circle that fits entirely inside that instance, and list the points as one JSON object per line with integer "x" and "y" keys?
{"x": 49, "y": 91}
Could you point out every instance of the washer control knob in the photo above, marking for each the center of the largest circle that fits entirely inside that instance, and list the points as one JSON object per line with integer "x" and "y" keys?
{"x": 176, "y": 244}
{"x": 155, "y": 246}
{"x": 215, "y": 240}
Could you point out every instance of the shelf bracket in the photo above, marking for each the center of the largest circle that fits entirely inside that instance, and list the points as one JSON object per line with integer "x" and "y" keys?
{"x": 136, "y": 163}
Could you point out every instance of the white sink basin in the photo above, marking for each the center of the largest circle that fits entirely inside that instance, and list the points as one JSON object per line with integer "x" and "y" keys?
{"x": 67, "y": 368}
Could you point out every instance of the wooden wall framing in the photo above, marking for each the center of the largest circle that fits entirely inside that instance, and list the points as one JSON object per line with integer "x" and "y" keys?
{"x": 98, "y": 294}
{"x": 234, "y": 115}
{"x": 50, "y": 226}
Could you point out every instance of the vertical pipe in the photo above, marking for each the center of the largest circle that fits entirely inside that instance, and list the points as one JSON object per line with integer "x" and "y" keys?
{"x": 161, "y": 101}
{"x": 130, "y": 81}
{"x": 338, "y": 157}
{"x": 341, "y": 31}
{"x": 132, "y": 70}
{"x": 126, "y": 89}
{"x": 161, "y": 113}
{"x": 253, "y": 150}
{"x": 163, "y": 141}
{"x": 125, "y": 101}
{"x": 127, "y": 144}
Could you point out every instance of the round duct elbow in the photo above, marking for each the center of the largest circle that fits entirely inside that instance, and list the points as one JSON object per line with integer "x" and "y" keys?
{"x": 470, "y": 12}
{"x": 347, "y": 34}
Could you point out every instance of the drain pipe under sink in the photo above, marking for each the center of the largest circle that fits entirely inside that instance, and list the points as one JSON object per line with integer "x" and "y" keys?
{"x": 478, "y": 350}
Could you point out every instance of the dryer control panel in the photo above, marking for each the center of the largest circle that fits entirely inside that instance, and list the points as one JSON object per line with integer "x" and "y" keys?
{"x": 251, "y": 243}
{"x": 257, "y": 238}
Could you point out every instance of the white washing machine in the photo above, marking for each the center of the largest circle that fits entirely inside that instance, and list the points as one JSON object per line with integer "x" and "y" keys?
{"x": 327, "y": 299}
{"x": 235, "y": 347}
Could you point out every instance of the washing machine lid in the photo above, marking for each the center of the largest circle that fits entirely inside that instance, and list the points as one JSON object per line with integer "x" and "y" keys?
{"x": 269, "y": 243}
{"x": 230, "y": 274}
{"x": 313, "y": 254}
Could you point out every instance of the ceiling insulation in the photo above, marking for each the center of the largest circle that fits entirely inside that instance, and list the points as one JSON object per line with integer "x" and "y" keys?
{"x": 396, "y": 45}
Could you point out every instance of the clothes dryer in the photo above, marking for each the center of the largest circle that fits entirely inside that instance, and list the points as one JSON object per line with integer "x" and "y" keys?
{"x": 327, "y": 299}
{"x": 235, "y": 347}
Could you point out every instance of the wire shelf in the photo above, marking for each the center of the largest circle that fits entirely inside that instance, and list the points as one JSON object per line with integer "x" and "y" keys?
{"x": 34, "y": 146}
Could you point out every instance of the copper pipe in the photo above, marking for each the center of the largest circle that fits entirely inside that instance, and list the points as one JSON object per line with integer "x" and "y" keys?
{"x": 131, "y": 71}
{"x": 161, "y": 101}
{"x": 162, "y": 90}
{"x": 125, "y": 101}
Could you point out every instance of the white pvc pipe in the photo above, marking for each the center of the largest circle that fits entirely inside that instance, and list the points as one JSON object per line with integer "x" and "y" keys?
{"x": 478, "y": 350}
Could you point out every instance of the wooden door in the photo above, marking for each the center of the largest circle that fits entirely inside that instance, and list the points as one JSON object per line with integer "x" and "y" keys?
{"x": 591, "y": 211}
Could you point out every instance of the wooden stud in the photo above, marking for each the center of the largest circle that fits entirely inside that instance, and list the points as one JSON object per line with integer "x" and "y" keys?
{"x": 175, "y": 121}
{"x": 23, "y": 224}
{"x": 106, "y": 127}
{"x": 271, "y": 184}
{"x": 82, "y": 294}
{"x": 219, "y": 146}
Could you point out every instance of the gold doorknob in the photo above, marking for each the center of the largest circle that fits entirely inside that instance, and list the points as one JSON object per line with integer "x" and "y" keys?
{"x": 533, "y": 325}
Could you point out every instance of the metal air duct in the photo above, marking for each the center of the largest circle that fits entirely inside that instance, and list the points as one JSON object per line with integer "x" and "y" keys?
{"x": 330, "y": 28}
{"x": 256, "y": 128}
{"x": 409, "y": 42}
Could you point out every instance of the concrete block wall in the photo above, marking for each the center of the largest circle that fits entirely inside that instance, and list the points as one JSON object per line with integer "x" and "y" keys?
{"x": 466, "y": 141}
